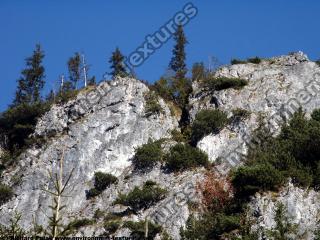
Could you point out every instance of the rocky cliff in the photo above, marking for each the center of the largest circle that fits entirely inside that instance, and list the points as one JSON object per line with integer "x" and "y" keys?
{"x": 100, "y": 129}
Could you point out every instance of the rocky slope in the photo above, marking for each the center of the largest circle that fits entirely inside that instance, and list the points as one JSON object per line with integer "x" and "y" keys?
{"x": 276, "y": 88}
{"x": 100, "y": 129}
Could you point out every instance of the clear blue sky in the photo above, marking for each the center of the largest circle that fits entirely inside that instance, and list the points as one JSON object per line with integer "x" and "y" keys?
{"x": 224, "y": 29}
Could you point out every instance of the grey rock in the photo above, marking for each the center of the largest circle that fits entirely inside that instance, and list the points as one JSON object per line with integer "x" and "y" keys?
{"x": 302, "y": 208}
{"x": 98, "y": 131}
{"x": 276, "y": 88}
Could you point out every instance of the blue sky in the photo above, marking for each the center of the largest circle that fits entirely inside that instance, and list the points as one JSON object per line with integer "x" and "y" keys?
{"x": 224, "y": 29}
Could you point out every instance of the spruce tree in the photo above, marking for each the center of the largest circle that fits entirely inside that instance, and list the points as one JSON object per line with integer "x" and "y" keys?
{"x": 117, "y": 64}
{"x": 177, "y": 63}
{"x": 32, "y": 80}
{"x": 182, "y": 85}
{"x": 74, "y": 67}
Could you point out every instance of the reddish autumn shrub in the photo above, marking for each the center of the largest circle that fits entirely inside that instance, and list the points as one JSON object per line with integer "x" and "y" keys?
{"x": 216, "y": 192}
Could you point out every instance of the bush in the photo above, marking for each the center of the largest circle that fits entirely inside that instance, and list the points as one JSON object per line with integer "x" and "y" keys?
{"x": 17, "y": 123}
{"x": 101, "y": 182}
{"x": 152, "y": 104}
{"x": 78, "y": 223}
{"x": 247, "y": 180}
{"x": 206, "y": 122}
{"x": 111, "y": 226}
{"x": 209, "y": 226}
{"x": 142, "y": 198}
{"x": 221, "y": 83}
{"x": 215, "y": 191}
{"x": 255, "y": 60}
{"x": 183, "y": 156}
{"x": 6, "y": 193}
{"x": 237, "y": 61}
{"x": 138, "y": 229}
{"x": 147, "y": 155}
{"x": 316, "y": 115}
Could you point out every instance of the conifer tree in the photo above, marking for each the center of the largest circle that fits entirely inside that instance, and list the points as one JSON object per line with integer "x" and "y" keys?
{"x": 181, "y": 85}
{"x": 177, "y": 63}
{"x": 32, "y": 80}
{"x": 74, "y": 67}
{"x": 117, "y": 64}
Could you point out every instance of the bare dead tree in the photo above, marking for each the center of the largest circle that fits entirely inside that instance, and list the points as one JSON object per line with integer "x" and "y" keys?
{"x": 58, "y": 193}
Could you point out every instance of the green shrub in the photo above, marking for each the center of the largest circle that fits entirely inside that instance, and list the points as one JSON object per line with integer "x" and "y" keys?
{"x": 111, "y": 226}
{"x": 6, "y": 193}
{"x": 65, "y": 96}
{"x": 247, "y": 180}
{"x": 221, "y": 83}
{"x": 209, "y": 226}
{"x": 78, "y": 223}
{"x": 101, "y": 182}
{"x": 255, "y": 60}
{"x": 17, "y": 123}
{"x": 237, "y": 61}
{"x": 138, "y": 229}
{"x": 142, "y": 198}
{"x": 182, "y": 157}
{"x": 152, "y": 104}
{"x": 206, "y": 122}
{"x": 316, "y": 115}
{"x": 294, "y": 154}
{"x": 147, "y": 155}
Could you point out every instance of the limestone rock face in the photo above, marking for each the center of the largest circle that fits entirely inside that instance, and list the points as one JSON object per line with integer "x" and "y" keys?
{"x": 98, "y": 131}
{"x": 276, "y": 88}
{"x": 301, "y": 208}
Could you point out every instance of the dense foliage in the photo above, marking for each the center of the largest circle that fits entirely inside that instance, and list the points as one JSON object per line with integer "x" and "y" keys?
{"x": 101, "y": 182}
{"x": 17, "y": 123}
{"x": 255, "y": 60}
{"x": 294, "y": 153}
{"x": 209, "y": 226}
{"x": 117, "y": 64}
{"x": 221, "y": 83}
{"x": 6, "y": 193}
{"x": 206, "y": 122}
{"x": 142, "y": 198}
{"x": 147, "y": 155}
{"x": 32, "y": 80}
{"x": 183, "y": 156}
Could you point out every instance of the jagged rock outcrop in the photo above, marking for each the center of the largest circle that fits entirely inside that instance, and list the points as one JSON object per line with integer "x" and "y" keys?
{"x": 301, "y": 208}
{"x": 98, "y": 131}
{"x": 276, "y": 88}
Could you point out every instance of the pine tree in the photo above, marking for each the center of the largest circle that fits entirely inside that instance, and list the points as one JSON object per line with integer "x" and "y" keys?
{"x": 182, "y": 85}
{"x": 32, "y": 80}
{"x": 74, "y": 67}
{"x": 177, "y": 63}
{"x": 117, "y": 65}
